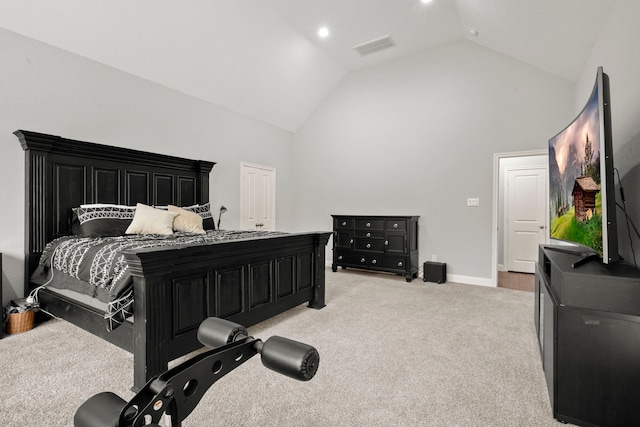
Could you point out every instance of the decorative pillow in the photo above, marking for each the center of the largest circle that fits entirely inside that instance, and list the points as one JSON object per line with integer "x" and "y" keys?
{"x": 149, "y": 220}
{"x": 187, "y": 221}
{"x": 106, "y": 205}
{"x": 205, "y": 212}
{"x": 102, "y": 220}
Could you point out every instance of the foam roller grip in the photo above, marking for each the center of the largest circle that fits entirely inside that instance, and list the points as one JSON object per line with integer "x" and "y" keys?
{"x": 214, "y": 332}
{"x": 291, "y": 358}
{"x": 101, "y": 410}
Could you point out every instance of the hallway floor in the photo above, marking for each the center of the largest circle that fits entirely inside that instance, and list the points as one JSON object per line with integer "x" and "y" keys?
{"x": 517, "y": 281}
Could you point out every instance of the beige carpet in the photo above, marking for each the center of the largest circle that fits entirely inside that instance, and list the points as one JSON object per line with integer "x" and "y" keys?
{"x": 392, "y": 354}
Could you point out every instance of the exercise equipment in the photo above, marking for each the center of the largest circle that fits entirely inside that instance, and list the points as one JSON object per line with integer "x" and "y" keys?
{"x": 178, "y": 391}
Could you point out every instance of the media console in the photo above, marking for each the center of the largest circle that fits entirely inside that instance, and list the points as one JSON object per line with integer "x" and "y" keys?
{"x": 588, "y": 325}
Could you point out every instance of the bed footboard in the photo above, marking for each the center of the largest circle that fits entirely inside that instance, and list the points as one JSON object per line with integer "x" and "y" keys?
{"x": 245, "y": 281}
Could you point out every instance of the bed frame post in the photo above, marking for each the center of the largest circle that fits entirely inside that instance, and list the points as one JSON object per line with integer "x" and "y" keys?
{"x": 320, "y": 242}
{"x": 152, "y": 305}
{"x": 37, "y": 210}
{"x": 202, "y": 183}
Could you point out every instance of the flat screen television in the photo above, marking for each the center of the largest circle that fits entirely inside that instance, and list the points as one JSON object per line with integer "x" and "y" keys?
{"x": 582, "y": 204}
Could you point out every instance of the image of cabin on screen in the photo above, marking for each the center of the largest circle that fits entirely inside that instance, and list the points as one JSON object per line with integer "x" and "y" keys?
{"x": 574, "y": 180}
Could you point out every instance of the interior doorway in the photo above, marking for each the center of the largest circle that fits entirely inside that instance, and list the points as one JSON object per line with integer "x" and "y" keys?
{"x": 257, "y": 197}
{"x": 525, "y": 216}
{"x": 528, "y": 161}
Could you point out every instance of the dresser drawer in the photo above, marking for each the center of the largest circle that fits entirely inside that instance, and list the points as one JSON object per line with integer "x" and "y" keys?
{"x": 395, "y": 242}
{"x": 343, "y": 223}
{"x": 389, "y": 262}
{"x": 343, "y": 239}
{"x": 366, "y": 244}
{"x": 369, "y": 233}
{"x": 369, "y": 224}
{"x": 352, "y": 258}
{"x": 396, "y": 224}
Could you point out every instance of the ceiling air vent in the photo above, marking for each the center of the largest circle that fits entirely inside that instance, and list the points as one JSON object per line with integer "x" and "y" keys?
{"x": 374, "y": 45}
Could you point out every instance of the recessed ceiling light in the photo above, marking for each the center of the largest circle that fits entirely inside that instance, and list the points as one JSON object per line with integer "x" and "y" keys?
{"x": 323, "y": 32}
{"x": 425, "y": 1}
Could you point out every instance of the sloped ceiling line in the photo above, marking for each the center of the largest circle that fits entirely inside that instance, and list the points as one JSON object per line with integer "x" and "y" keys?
{"x": 262, "y": 58}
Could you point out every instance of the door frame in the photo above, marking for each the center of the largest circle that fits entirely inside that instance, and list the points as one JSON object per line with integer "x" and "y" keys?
{"x": 496, "y": 204}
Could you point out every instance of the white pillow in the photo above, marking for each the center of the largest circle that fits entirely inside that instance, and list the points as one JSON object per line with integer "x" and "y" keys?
{"x": 148, "y": 220}
{"x": 187, "y": 221}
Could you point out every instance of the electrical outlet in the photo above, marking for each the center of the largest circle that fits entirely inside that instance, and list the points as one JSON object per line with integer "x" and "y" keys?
{"x": 473, "y": 201}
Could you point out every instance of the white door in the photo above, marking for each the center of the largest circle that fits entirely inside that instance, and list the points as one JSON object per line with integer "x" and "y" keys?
{"x": 257, "y": 197}
{"x": 526, "y": 217}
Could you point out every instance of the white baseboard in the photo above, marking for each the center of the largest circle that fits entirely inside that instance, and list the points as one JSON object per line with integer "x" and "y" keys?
{"x": 470, "y": 280}
{"x": 502, "y": 267}
{"x": 457, "y": 278}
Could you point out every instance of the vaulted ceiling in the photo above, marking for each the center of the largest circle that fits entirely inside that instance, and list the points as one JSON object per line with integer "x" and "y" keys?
{"x": 264, "y": 59}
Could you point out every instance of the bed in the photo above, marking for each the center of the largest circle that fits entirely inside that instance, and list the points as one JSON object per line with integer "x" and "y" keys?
{"x": 247, "y": 279}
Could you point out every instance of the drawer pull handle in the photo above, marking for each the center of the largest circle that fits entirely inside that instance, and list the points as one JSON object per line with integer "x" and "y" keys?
{"x": 344, "y": 223}
{"x": 386, "y": 243}
{"x": 351, "y": 241}
{"x": 362, "y": 260}
{"x": 395, "y": 225}
{"x": 368, "y": 224}
{"x": 368, "y": 245}
{"x": 368, "y": 234}
{"x": 373, "y": 261}
{"x": 340, "y": 257}
{"x": 400, "y": 264}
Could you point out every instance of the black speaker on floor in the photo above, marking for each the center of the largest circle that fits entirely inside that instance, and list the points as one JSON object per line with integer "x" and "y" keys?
{"x": 434, "y": 272}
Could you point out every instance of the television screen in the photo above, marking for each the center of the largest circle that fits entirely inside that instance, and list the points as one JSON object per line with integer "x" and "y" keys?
{"x": 581, "y": 196}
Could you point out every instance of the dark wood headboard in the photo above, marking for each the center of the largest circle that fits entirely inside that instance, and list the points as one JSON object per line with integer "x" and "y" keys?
{"x": 61, "y": 174}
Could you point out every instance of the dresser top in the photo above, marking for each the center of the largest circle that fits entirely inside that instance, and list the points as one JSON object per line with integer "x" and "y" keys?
{"x": 376, "y": 216}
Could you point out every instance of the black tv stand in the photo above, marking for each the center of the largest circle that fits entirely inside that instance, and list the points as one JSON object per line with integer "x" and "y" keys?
{"x": 588, "y": 324}
{"x": 585, "y": 256}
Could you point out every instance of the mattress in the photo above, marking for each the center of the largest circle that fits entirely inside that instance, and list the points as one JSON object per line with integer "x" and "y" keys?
{"x": 96, "y": 268}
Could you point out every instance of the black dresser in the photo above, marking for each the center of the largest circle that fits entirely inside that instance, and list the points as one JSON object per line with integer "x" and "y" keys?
{"x": 380, "y": 243}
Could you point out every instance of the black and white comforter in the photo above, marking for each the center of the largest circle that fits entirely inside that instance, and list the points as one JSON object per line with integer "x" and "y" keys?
{"x": 95, "y": 266}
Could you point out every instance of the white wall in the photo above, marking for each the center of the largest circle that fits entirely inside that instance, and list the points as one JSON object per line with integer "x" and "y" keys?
{"x": 413, "y": 136}
{"x": 616, "y": 50}
{"x": 45, "y": 89}
{"x": 417, "y": 136}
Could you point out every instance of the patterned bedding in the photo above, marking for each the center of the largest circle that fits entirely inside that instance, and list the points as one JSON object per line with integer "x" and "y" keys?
{"x": 95, "y": 266}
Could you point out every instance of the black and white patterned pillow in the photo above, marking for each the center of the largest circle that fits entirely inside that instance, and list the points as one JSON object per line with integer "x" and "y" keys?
{"x": 103, "y": 220}
{"x": 204, "y": 211}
